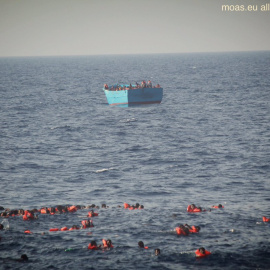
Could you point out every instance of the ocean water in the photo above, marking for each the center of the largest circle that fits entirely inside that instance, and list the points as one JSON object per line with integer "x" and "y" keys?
{"x": 208, "y": 142}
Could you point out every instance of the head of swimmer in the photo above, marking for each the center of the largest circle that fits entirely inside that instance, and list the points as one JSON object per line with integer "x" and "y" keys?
{"x": 93, "y": 243}
{"x": 157, "y": 251}
{"x": 141, "y": 244}
{"x": 24, "y": 257}
{"x": 109, "y": 242}
{"x": 202, "y": 250}
{"x": 192, "y": 206}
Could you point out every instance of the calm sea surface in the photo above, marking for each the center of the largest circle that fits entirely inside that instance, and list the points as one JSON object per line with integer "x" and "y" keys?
{"x": 208, "y": 142}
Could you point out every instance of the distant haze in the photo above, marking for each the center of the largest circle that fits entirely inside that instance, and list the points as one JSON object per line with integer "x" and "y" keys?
{"x": 90, "y": 27}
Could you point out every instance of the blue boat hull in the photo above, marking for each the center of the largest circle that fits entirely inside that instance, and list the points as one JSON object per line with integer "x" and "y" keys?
{"x": 134, "y": 96}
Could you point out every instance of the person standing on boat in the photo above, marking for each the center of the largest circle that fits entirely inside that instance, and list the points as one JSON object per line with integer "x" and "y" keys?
{"x": 149, "y": 84}
{"x": 143, "y": 84}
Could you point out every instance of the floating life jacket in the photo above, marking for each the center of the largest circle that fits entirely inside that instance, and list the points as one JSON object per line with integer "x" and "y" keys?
{"x": 265, "y": 219}
{"x": 126, "y": 205}
{"x": 64, "y": 229}
{"x": 54, "y": 230}
{"x": 199, "y": 254}
{"x": 28, "y": 231}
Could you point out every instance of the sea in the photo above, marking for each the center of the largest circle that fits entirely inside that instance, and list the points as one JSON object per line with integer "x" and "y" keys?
{"x": 207, "y": 143}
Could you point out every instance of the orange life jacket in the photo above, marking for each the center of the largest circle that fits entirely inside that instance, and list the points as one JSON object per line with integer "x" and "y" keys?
{"x": 28, "y": 231}
{"x": 43, "y": 211}
{"x": 64, "y": 229}
{"x": 72, "y": 229}
{"x": 180, "y": 231}
{"x": 193, "y": 210}
{"x": 199, "y": 254}
{"x": 72, "y": 208}
{"x": 104, "y": 242}
{"x": 27, "y": 215}
{"x": 90, "y": 214}
{"x": 193, "y": 229}
{"x": 92, "y": 247}
{"x": 83, "y": 224}
{"x": 265, "y": 219}
{"x": 126, "y": 205}
{"x": 216, "y": 206}
{"x": 54, "y": 229}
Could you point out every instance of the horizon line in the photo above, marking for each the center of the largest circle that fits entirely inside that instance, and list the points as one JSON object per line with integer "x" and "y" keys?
{"x": 126, "y": 54}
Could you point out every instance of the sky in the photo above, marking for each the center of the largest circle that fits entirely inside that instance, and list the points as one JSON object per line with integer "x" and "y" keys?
{"x": 94, "y": 27}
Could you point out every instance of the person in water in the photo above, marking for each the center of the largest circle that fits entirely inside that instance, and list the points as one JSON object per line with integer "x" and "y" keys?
{"x": 87, "y": 224}
{"x": 157, "y": 251}
{"x": 93, "y": 245}
{"x": 193, "y": 229}
{"x": 182, "y": 230}
{"x": 23, "y": 258}
{"x": 141, "y": 245}
{"x": 194, "y": 208}
{"x": 107, "y": 243}
{"x": 218, "y": 206}
{"x": 74, "y": 227}
{"x": 202, "y": 252}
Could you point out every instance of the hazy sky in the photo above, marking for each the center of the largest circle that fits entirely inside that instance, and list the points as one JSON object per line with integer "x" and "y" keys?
{"x": 86, "y": 27}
